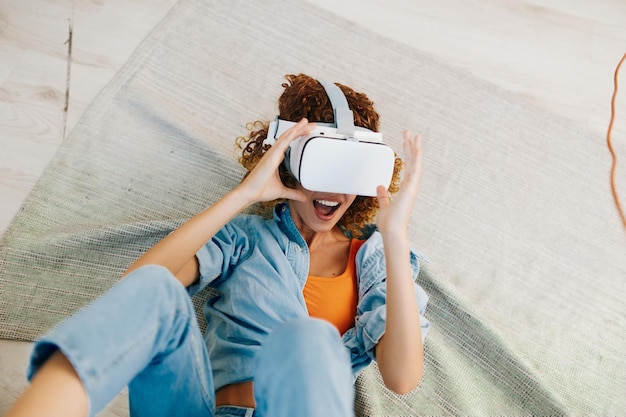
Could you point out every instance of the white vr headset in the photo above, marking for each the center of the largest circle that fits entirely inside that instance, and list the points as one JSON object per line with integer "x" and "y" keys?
{"x": 337, "y": 158}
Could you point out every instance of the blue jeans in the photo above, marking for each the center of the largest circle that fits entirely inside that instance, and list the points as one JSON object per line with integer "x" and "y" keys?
{"x": 143, "y": 334}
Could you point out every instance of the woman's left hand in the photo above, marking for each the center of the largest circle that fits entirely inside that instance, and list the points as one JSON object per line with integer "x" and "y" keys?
{"x": 394, "y": 216}
{"x": 399, "y": 353}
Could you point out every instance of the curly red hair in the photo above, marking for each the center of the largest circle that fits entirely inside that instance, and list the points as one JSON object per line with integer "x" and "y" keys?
{"x": 303, "y": 97}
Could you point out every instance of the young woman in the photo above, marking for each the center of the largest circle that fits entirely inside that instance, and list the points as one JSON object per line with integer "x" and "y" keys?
{"x": 307, "y": 298}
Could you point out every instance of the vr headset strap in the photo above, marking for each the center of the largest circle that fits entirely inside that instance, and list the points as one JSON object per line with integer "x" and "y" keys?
{"x": 344, "y": 118}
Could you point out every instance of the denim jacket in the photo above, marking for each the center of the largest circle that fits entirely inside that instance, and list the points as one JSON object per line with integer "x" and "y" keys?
{"x": 259, "y": 267}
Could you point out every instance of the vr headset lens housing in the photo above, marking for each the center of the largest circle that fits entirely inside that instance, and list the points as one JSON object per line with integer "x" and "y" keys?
{"x": 338, "y": 159}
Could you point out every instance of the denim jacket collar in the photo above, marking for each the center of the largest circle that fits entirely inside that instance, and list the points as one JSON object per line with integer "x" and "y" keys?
{"x": 282, "y": 216}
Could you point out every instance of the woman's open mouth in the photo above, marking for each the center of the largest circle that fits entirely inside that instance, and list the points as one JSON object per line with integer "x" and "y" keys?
{"x": 325, "y": 209}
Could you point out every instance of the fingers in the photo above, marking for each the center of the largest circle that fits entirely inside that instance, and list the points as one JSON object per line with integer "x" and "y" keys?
{"x": 412, "y": 145}
{"x": 302, "y": 128}
{"x": 276, "y": 152}
{"x": 383, "y": 196}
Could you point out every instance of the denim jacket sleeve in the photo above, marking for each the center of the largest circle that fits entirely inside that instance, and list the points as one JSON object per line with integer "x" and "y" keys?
{"x": 369, "y": 327}
{"x": 226, "y": 249}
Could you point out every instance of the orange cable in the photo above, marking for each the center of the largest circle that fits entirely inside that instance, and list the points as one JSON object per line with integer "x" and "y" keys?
{"x": 610, "y": 145}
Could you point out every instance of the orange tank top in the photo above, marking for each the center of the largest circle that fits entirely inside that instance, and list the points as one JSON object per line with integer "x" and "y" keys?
{"x": 335, "y": 299}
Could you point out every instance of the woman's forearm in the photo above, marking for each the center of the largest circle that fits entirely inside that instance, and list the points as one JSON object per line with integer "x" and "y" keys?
{"x": 400, "y": 353}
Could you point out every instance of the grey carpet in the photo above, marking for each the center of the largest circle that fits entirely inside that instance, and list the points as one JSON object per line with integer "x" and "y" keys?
{"x": 527, "y": 268}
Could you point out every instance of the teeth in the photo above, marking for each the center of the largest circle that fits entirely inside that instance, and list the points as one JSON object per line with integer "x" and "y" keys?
{"x": 327, "y": 203}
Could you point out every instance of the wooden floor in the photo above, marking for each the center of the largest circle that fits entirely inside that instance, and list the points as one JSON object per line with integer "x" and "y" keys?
{"x": 560, "y": 54}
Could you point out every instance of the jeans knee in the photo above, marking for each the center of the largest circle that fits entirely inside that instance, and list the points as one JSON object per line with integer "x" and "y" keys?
{"x": 156, "y": 280}
{"x": 304, "y": 338}
{"x": 158, "y": 285}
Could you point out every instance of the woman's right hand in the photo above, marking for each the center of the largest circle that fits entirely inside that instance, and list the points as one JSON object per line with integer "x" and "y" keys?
{"x": 263, "y": 183}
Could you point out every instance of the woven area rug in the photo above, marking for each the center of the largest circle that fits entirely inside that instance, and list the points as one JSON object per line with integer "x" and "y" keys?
{"x": 527, "y": 270}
